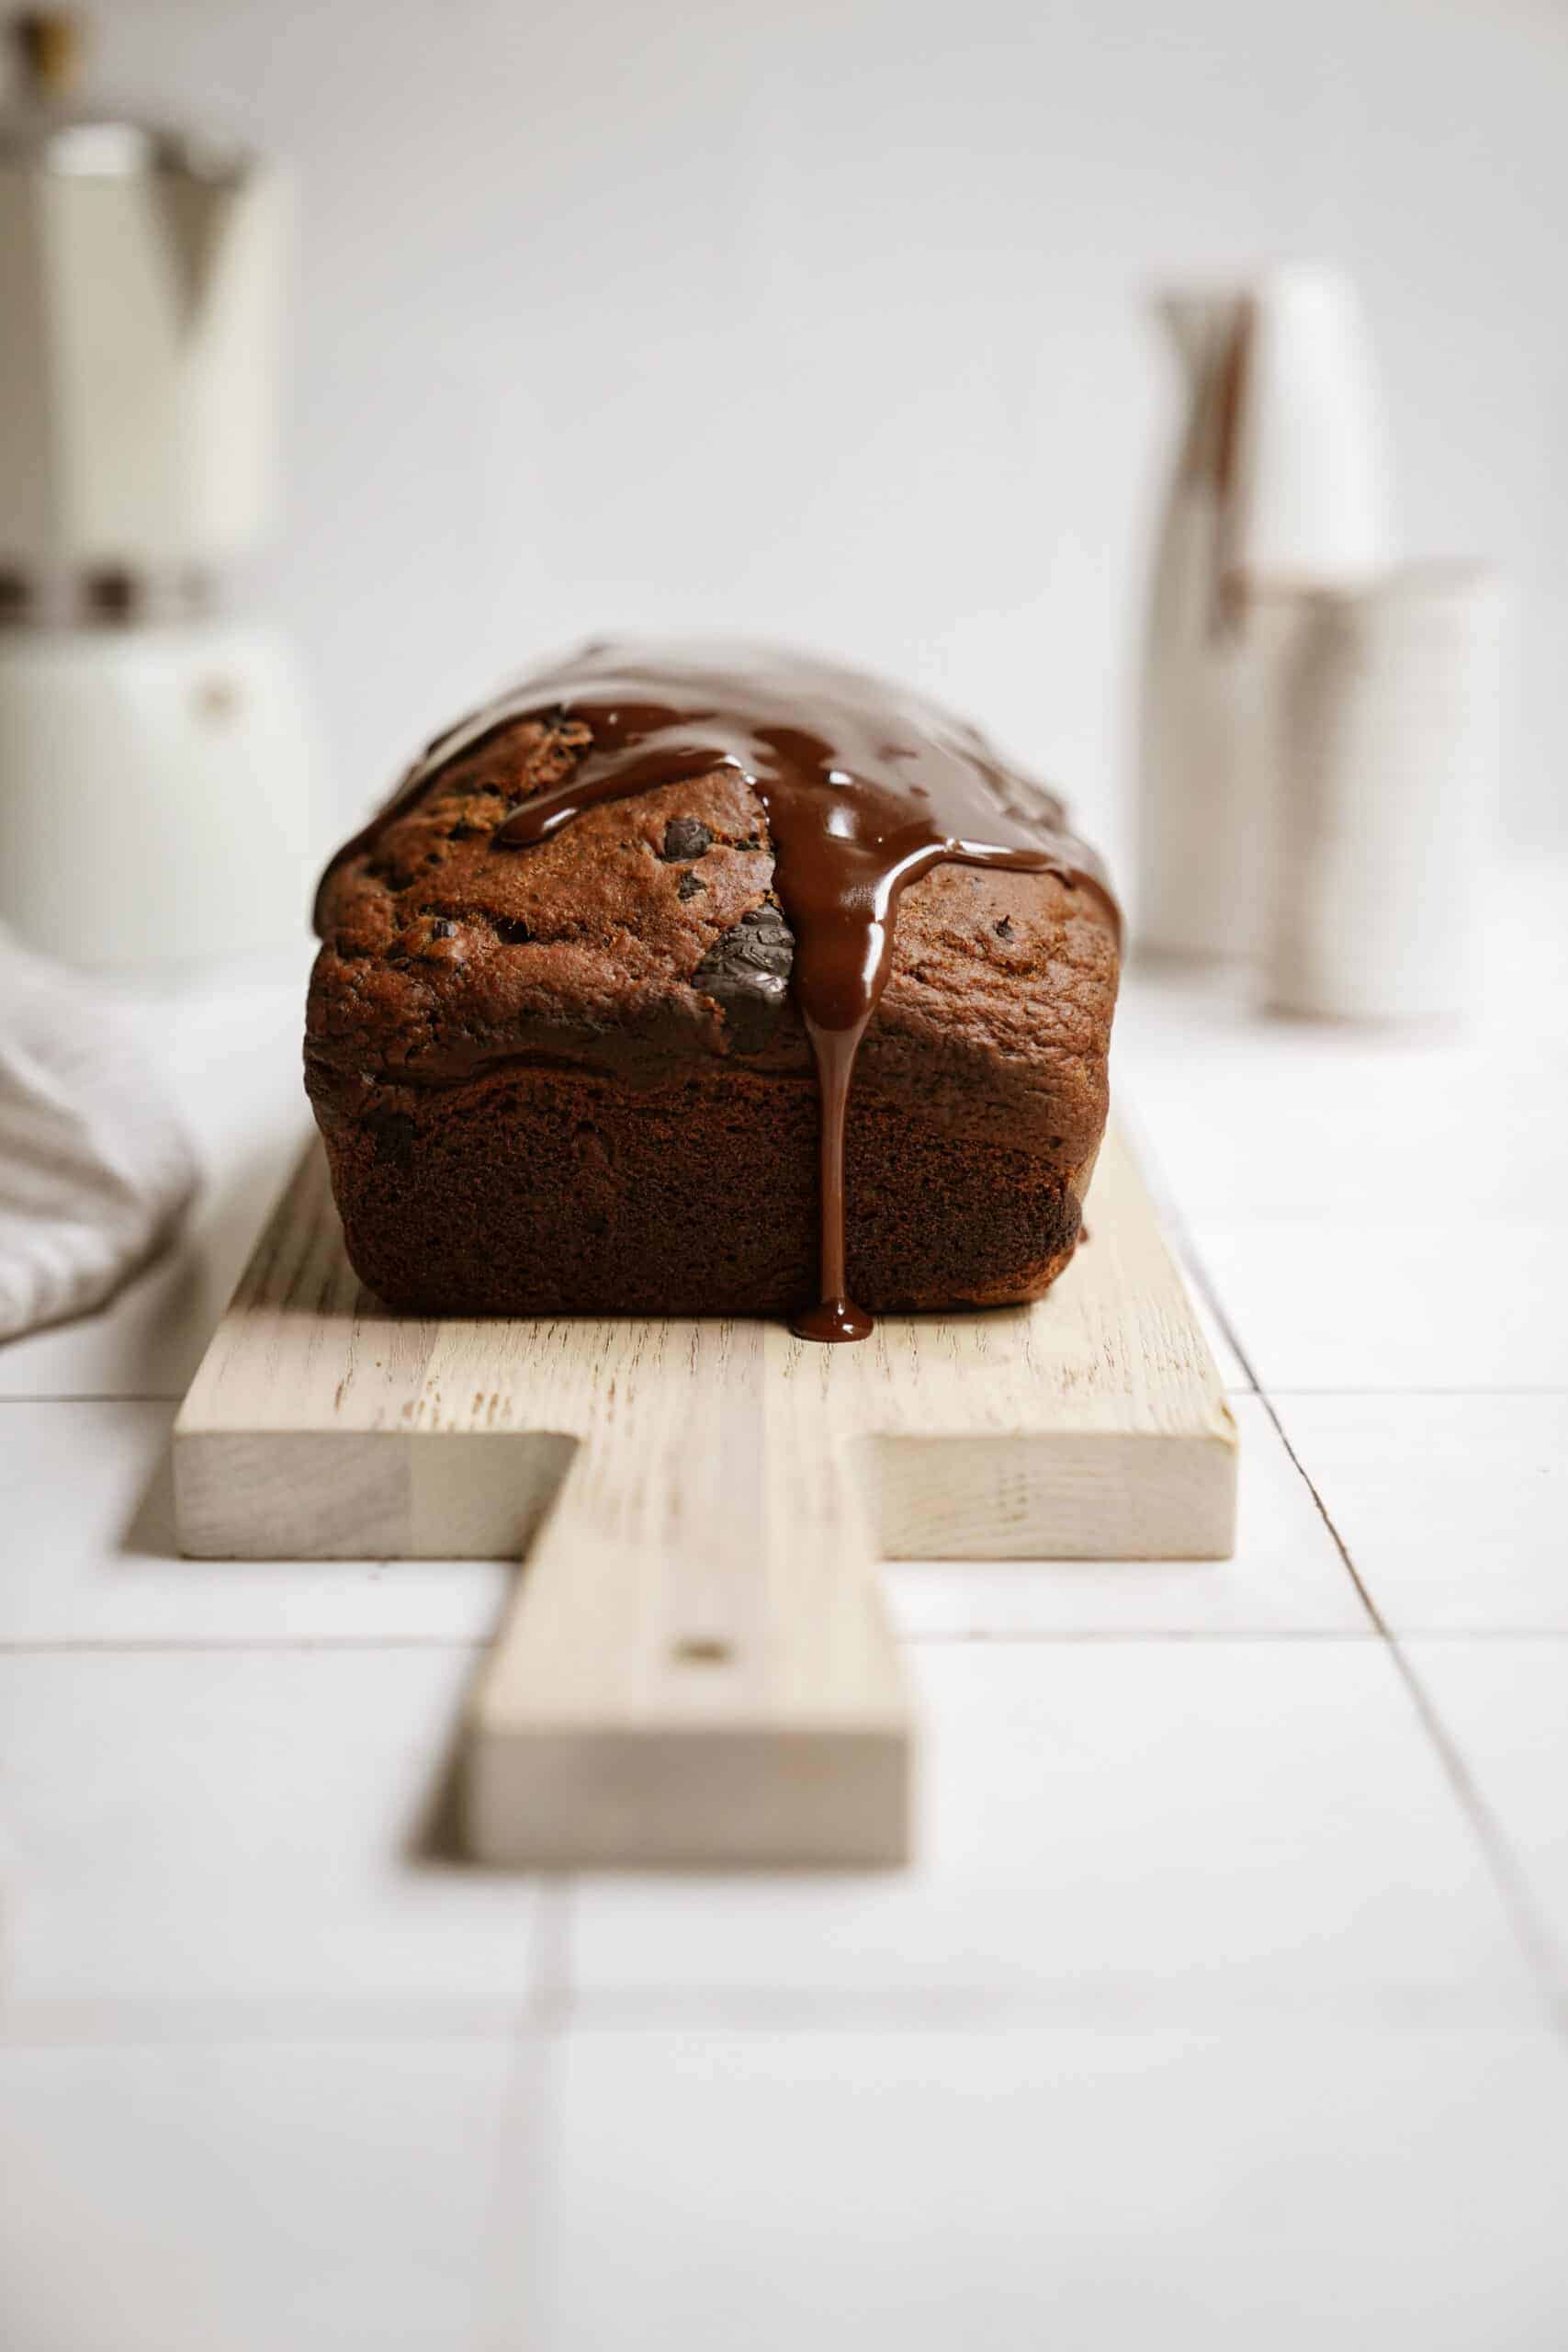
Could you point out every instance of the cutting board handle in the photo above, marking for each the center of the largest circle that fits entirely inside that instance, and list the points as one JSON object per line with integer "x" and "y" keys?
{"x": 689, "y": 1675}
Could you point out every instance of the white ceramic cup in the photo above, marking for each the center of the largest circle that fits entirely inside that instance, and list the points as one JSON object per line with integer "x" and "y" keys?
{"x": 1387, "y": 709}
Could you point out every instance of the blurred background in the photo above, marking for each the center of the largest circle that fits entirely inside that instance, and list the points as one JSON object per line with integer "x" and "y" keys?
{"x": 832, "y": 322}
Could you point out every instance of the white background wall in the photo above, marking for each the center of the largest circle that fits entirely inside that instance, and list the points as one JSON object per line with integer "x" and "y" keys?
{"x": 827, "y": 320}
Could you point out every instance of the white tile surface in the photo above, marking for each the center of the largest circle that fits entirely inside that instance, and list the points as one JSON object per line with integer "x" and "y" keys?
{"x": 219, "y": 1843}
{"x": 1233, "y": 1371}
{"x": 1163, "y": 1832}
{"x": 1109, "y": 2189}
{"x": 1405, "y": 1302}
{"x": 86, "y": 1490}
{"x": 294, "y": 2198}
{"x": 1249, "y": 1113}
{"x": 1287, "y": 1576}
{"x": 1201, "y": 2021}
{"x": 1455, "y": 1509}
{"x": 1505, "y": 1706}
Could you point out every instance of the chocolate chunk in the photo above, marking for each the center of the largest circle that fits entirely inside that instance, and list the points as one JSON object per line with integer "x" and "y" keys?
{"x": 589, "y": 1147}
{"x": 691, "y": 885}
{"x": 428, "y": 939}
{"x": 686, "y": 837}
{"x": 1004, "y": 929}
{"x": 392, "y": 1133}
{"x": 511, "y": 928}
{"x": 747, "y": 972}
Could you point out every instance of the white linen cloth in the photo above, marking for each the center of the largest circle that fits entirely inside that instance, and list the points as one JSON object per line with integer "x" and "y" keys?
{"x": 96, "y": 1169}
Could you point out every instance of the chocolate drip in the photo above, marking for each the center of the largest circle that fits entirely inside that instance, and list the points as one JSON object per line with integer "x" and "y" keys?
{"x": 865, "y": 789}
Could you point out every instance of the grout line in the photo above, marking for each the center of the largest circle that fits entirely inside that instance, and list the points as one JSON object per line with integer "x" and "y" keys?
{"x": 519, "y": 2260}
{"x": 1374, "y": 1613}
{"x": 1124, "y": 2005}
{"x": 552, "y": 1988}
{"x": 1508, "y": 1877}
{"x": 1425, "y": 1636}
{"x": 97, "y": 1396}
{"x": 517, "y": 2273}
{"x": 256, "y": 2025}
{"x": 154, "y": 1646}
{"x": 1173, "y": 1638}
{"x": 1508, "y": 1874}
{"x": 1121, "y": 2006}
{"x": 911, "y": 1637}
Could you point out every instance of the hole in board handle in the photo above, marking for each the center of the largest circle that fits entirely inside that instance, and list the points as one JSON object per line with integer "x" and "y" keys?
{"x": 702, "y": 1649}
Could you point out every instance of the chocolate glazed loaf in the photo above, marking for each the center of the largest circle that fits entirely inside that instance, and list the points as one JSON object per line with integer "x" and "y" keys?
{"x": 738, "y": 984}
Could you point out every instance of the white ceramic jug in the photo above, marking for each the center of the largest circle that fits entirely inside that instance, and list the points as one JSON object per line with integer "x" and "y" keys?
{"x": 142, "y": 282}
{"x": 1280, "y": 468}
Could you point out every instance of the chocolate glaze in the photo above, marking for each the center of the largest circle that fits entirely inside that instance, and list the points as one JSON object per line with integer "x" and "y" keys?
{"x": 864, "y": 787}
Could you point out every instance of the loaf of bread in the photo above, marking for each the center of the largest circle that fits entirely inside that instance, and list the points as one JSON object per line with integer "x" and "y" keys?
{"x": 679, "y": 985}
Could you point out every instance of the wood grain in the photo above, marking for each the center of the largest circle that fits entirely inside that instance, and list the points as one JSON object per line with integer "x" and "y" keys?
{"x": 697, "y": 1667}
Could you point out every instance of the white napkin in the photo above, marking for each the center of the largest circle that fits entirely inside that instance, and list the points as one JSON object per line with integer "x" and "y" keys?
{"x": 95, "y": 1166}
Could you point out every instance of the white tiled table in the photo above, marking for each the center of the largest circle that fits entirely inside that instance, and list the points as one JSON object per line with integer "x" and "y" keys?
{"x": 1226, "y": 2008}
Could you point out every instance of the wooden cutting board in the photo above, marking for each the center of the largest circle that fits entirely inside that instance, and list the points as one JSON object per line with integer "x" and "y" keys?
{"x": 697, "y": 1668}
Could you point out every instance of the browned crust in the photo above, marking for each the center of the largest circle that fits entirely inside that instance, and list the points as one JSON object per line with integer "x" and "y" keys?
{"x": 532, "y": 1191}
{"x": 532, "y": 1104}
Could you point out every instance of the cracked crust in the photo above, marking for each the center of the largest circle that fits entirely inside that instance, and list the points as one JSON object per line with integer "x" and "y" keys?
{"x": 572, "y": 1078}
